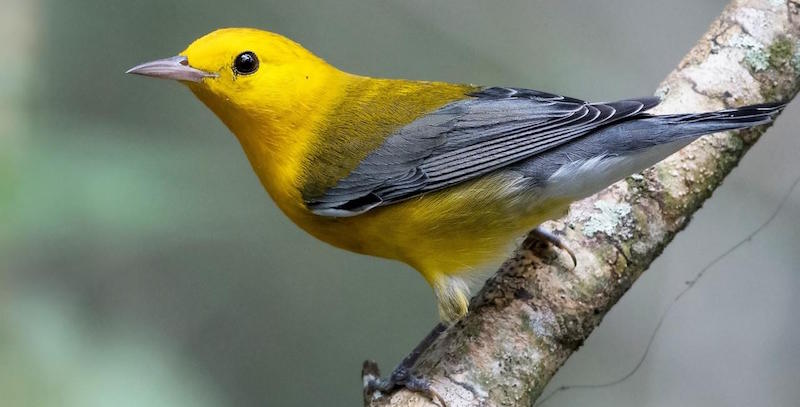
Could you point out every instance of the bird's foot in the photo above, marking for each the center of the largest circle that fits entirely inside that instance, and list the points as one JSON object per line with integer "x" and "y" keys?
{"x": 556, "y": 241}
{"x": 401, "y": 377}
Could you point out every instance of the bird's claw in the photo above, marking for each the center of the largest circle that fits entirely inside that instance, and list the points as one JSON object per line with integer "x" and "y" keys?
{"x": 557, "y": 242}
{"x": 401, "y": 377}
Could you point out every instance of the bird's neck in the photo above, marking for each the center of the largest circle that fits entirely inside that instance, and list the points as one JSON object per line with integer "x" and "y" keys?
{"x": 276, "y": 137}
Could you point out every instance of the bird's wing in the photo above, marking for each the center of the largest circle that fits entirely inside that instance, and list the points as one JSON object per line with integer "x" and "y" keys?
{"x": 492, "y": 129}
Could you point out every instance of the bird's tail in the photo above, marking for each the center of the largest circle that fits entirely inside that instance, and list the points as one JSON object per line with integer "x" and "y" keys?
{"x": 673, "y": 131}
{"x": 698, "y": 124}
{"x": 579, "y": 168}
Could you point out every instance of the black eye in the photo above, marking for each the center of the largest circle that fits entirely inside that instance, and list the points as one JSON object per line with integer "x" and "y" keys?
{"x": 245, "y": 63}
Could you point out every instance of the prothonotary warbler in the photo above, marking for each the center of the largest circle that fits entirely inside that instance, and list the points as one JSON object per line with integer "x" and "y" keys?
{"x": 441, "y": 176}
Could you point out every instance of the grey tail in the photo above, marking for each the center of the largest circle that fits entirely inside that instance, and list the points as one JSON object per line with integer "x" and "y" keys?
{"x": 644, "y": 139}
{"x": 663, "y": 135}
{"x": 698, "y": 124}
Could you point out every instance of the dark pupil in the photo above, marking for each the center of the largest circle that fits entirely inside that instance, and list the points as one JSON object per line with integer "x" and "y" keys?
{"x": 245, "y": 63}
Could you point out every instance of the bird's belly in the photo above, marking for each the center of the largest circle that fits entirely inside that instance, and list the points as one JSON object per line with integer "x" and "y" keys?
{"x": 452, "y": 231}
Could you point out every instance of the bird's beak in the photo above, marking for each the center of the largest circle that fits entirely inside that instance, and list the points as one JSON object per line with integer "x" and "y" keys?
{"x": 176, "y": 68}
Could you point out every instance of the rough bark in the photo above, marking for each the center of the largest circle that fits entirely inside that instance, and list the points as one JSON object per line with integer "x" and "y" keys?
{"x": 535, "y": 312}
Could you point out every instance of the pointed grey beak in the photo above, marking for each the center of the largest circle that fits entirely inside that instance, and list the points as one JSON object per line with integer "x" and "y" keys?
{"x": 176, "y": 68}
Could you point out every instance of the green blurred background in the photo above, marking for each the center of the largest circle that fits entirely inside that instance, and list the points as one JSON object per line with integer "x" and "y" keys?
{"x": 142, "y": 264}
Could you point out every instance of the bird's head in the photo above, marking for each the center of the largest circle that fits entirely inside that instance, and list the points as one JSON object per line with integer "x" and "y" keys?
{"x": 246, "y": 75}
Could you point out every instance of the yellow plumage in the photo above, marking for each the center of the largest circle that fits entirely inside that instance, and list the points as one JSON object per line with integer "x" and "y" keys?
{"x": 437, "y": 175}
{"x": 276, "y": 118}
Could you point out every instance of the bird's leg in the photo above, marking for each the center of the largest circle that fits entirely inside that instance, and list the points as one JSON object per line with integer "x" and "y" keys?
{"x": 402, "y": 375}
{"x": 555, "y": 241}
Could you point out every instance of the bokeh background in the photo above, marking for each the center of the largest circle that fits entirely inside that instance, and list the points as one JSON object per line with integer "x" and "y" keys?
{"x": 142, "y": 264}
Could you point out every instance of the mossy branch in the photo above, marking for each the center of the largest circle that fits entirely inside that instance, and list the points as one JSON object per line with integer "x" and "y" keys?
{"x": 534, "y": 313}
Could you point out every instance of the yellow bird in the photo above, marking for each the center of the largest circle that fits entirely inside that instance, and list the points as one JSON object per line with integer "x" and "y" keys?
{"x": 441, "y": 176}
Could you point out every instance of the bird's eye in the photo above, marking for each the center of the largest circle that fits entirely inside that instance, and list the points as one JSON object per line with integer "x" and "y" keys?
{"x": 245, "y": 63}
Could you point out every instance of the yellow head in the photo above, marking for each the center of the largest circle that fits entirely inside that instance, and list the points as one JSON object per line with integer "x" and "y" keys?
{"x": 244, "y": 73}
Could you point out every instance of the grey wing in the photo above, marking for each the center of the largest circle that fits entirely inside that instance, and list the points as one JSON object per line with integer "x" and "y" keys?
{"x": 465, "y": 139}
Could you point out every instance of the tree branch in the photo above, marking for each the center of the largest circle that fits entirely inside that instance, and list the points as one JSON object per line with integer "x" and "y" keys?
{"x": 534, "y": 313}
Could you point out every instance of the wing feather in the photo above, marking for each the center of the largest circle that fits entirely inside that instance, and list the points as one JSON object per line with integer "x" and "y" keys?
{"x": 492, "y": 129}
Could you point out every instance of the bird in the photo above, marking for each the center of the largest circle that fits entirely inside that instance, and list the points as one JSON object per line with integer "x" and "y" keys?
{"x": 442, "y": 176}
